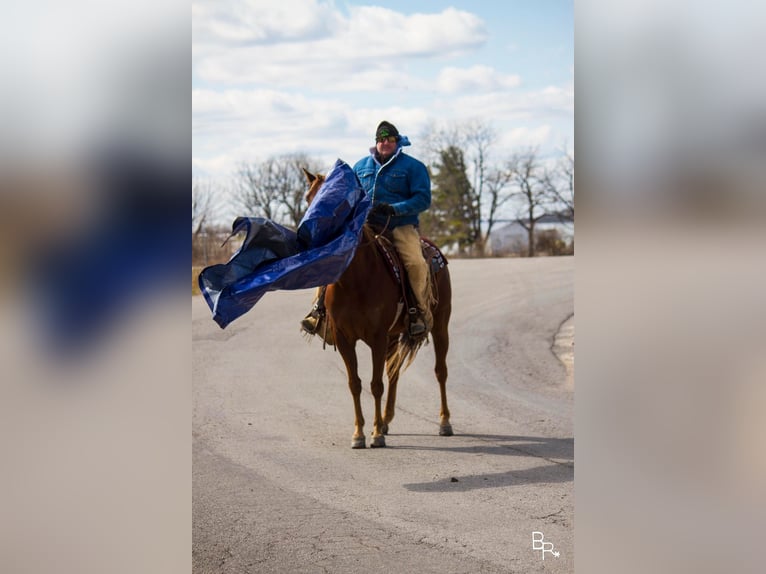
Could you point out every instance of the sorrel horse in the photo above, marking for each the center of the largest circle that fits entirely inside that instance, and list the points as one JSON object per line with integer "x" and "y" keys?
{"x": 363, "y": 305}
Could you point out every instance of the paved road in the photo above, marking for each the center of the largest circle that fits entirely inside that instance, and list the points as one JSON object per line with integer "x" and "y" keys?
{"x": 277, "y": 487}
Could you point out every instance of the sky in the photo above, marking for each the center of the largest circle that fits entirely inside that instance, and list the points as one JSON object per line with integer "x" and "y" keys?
{"x": 275, "y": 77}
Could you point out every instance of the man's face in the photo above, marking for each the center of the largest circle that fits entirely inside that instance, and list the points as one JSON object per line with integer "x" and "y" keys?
{"x": 386, "y": 146}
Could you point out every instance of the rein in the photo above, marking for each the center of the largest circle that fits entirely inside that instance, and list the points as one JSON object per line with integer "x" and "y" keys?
{"x": 385, "y": 227}
{"x": 377, "y": 236}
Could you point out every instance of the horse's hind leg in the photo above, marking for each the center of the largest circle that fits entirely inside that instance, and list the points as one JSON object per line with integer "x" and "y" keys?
{"x": 376, "y": 386}
{"x": 348, "y": 352}
{"x": 440, "y": 336}
{"x": 392, "y": 373}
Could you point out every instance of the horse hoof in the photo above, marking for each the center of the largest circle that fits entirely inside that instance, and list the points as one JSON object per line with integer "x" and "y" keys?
{"x": 357, "y": 442}
{"x": 445, "y": 430}
{"x": 384, "y": 428}
{"x": 378, "y": 442}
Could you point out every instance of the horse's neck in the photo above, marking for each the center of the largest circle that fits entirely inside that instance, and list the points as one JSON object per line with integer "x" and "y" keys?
{"x": 361, "y": 270}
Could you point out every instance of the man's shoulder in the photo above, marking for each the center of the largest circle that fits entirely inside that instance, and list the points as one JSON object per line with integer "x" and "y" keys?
{"x": 366, "y": 161}
{"x": 408, "y": 160}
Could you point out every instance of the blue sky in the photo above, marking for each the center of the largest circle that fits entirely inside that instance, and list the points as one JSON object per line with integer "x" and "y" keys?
{"x": 308, "y": 75}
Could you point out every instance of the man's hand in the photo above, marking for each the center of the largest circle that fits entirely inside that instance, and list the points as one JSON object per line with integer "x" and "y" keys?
{"x": 382, "y": 209}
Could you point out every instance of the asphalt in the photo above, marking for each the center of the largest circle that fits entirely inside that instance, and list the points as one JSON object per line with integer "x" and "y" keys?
{"x": 277, "y": 488}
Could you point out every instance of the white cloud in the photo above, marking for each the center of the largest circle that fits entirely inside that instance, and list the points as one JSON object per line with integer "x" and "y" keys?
{"x": 476, "y": 78}
{"x": 253, "y": 124}
{"x": 262, "y": 113}
{"x": 525, "y": 137}
{"x": 321, "y": 82}
{"x": 249, "y": 125}
{"x": 383, "y": 32}
{"x": 237, "y": 22}
{"x": 287, "y": 42}
{"x": 514, "y": 105}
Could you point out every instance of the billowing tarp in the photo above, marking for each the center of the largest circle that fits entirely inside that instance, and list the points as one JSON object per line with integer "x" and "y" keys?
{"x": 273, "y": 257}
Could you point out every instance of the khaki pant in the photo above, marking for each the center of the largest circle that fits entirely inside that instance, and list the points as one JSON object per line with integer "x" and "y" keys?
{"x": 407, "y": 243}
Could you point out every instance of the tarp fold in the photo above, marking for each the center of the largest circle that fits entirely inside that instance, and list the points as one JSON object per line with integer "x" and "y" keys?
{"x": 273, "y": 257}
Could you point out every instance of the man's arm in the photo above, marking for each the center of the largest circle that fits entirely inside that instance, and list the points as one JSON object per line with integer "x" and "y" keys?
{"x": 420, "y": 191}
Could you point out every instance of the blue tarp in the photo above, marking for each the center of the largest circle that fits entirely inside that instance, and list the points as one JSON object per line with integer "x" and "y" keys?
{"x": 274, "y": 257}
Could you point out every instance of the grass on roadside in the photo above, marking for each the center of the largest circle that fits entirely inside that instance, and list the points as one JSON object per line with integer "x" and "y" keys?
{"x": 195, "y": 273}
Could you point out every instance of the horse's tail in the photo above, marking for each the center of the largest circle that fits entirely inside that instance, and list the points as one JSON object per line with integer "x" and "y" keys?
{"x": 405, "y": 352}
{"x": 408, "y": 346}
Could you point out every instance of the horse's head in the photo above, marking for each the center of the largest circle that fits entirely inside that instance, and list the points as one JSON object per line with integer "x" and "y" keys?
{"x": 315, "y": 182}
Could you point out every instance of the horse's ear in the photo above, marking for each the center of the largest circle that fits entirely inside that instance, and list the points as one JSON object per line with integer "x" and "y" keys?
{"x": 310, "y": 177}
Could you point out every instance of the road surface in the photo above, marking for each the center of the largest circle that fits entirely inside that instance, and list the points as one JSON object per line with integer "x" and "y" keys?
{"x": 277, "y": 488}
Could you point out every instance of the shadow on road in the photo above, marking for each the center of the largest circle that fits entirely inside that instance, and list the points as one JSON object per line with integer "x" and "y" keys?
{"x": 545, "y": 474}
{"x": 561, "y": 449}
{"x": 557, "y": 452}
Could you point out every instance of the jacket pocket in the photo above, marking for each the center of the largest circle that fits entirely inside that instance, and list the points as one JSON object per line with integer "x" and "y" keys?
{"x": 396, "y": 182}
{"x": 366, "y": 178}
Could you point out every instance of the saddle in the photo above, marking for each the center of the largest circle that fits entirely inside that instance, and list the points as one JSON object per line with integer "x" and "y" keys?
{"x": 431, "y": 253}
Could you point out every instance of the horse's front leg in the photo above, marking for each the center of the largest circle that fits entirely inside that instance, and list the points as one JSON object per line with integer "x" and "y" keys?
{"x": 376, "y": 386}
{"x": 347, "y": 350}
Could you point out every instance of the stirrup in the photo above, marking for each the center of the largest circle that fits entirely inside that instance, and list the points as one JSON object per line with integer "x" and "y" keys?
{"x": 417, "y": 323}
{"x": 417, "y": 328}
{"x": 310, "y": 322}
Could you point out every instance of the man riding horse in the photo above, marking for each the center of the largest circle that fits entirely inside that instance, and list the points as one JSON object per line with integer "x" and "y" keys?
{"x": 400, "y": 188}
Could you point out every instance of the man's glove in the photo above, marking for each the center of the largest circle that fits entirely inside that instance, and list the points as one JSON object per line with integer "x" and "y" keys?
{"x": 383, "y": 210}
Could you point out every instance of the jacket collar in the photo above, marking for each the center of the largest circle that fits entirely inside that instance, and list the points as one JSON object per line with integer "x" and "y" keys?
{"x": 374, "y": 154}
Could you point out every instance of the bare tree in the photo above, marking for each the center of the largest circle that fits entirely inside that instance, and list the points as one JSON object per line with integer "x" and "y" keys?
{"x": 438, "y": 138}
{"x": 202, "y": 200}
{"x": 292, "y": 193}
{"x": 257, "y": 189}
{"x": 528, "y": 183}
{"x": 559, "y": 183}
{"x": 479, "y": 138}
{"x": 497, "y": 185}
{"x": 203, "y": 224}
{"x": 274, "y": 188}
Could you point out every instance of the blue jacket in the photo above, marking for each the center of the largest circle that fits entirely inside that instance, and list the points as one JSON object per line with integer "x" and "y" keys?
{"x": 403, "y": 182}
